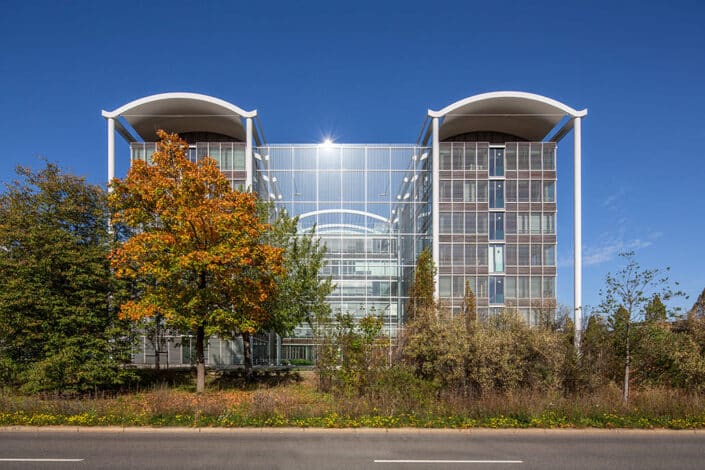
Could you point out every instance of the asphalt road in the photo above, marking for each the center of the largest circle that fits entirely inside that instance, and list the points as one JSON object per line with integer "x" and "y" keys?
{"x": 374, "y": 449}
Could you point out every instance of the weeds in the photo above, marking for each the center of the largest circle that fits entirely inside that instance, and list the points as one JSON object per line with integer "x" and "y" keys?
{"x": 299, "y": 403}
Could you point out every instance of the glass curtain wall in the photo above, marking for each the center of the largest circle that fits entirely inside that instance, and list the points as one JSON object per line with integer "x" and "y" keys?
{"x": 369, "y": 205}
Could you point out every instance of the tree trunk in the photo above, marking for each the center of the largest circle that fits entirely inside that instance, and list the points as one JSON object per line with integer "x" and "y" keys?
{"x": 247, "y": 351}
{"x": 627, "y": 365}
{"x": 200, "y": 360}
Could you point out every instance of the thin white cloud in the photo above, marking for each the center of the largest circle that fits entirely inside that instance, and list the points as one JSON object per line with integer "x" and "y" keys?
{"x": 607, "y": 252}
{"x": 608, "y": 249}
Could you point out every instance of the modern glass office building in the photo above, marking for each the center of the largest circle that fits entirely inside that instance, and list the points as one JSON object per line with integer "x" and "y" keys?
{"x": 478, "y": 187}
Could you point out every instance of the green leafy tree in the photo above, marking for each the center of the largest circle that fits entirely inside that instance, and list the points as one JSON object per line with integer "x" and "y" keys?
{"x": 198, "y": 251}
{"x": 301, "y": 290}
{"x": 59, "y": 329}
{"x": 597, "y": 359}
{"x": 625, "y": 297}
{"x": 655, "y": 310}
{"x": 350, "y": 353}
{"x": 666, "y": 358}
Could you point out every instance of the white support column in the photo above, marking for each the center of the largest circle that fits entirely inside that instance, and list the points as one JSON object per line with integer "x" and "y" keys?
{"x": 577, "y": 234}
{"x": 248, "y": 154}
{"x": 436, "y": 217}
{"x": 111, "y": 150}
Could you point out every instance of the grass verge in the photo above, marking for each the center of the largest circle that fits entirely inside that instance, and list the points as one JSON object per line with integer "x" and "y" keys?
{"x": 297, "y": 403}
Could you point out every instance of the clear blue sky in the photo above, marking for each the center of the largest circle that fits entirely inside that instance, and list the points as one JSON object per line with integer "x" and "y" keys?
{"x": 368, "y": 71}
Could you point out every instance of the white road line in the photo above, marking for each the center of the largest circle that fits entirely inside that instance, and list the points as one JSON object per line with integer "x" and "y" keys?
{"x": 41, "y": 460}
{"x": 449, "y": 461}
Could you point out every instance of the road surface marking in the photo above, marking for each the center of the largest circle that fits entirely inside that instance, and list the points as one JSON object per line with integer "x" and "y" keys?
{"x": 41, "y": 460}
{"x": 449, "y": 461}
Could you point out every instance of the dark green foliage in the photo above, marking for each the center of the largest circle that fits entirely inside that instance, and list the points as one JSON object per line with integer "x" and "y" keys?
{"x": 655, "y": 310}
{"x": 58, "y": 330}
{"x": 598, "y": 360}
{"x": 665, "y": 358}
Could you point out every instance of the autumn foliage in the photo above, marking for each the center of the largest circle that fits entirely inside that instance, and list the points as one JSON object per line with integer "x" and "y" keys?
{"x": 196, "y": 250}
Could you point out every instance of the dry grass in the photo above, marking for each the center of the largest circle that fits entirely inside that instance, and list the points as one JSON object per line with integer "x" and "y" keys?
{"x": 300, "y": 403}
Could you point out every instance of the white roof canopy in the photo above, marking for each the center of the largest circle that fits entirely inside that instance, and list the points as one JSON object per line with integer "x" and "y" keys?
{"x": 182, "y": 112}
{"x": 524, "y": 115}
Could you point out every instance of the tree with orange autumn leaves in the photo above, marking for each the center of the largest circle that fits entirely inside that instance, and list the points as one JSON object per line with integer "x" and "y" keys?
{"x": 197, "y": 250}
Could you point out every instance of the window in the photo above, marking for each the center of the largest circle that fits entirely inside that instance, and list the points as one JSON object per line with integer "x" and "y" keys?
{"x": 536, "y": 287}
{"x": 523, "y": 287}
{"x": 549, "y": 255}
{"x": 523, "y": 191}
{"x": 536, "y": 156}
{"x": 482, "y": 222}
{"x": 481, "y": 287}
{"x": 496, "y": 290}
{"x": 458, "y": 223}
{"x": 549, "y": 156}
{"x": 549, "y": 223}
{"x": 470, "y": 158}
{"x": 523, "y": 156}
{"x": 482, "y": 151}
{"x": 510, "y": 223}
{"x": 470, "y": 223}
{"x": 470, "y": 258}
{"x": 522, "y": 223}
{"x": 535, "y": 223}
{"x": 510, "y": 189}
{"x": 549, "y": 191}
{"x": 496, "y": 162}
{"x": 511, "y": 255}
{"x": 458, "y": 156}
{"x": 496, "y": 258}
{"x": 482, "y": 255}
{"x": 536, "y": 191}
{"x": 458, "y": 191}
{"x": 549, "y": 286}
{"x": 482, "y": 191}
{"x": 445, "y": 254}
{"x": 445, "y": 193}
{"x": 510, "y": 156}
{"x": 496, "y": 194}
{"x": 444, "y": 286}
{"x": 458, "y": 254}
{"x": 458, "y": 286}
{"x": 536, "y": 253}
{"x": 496, "y": 226}
{"x": 510, "y": 287}
{"x": 444, "y": 156}
{"x": 469, "y": 191}
{"x": 446, "y": 223}
{"x": 523, "y": 255}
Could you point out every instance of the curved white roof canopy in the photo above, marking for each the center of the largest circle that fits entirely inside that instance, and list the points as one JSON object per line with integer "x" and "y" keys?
{"x": 182, "y": 112}
{"x": 521, "y": 114}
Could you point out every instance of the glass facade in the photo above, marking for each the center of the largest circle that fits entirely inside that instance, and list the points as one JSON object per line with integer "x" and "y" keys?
{"x": 230, "y": 156}
{"x": 372, "y": 204}
{"x": 369, "y": 204}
